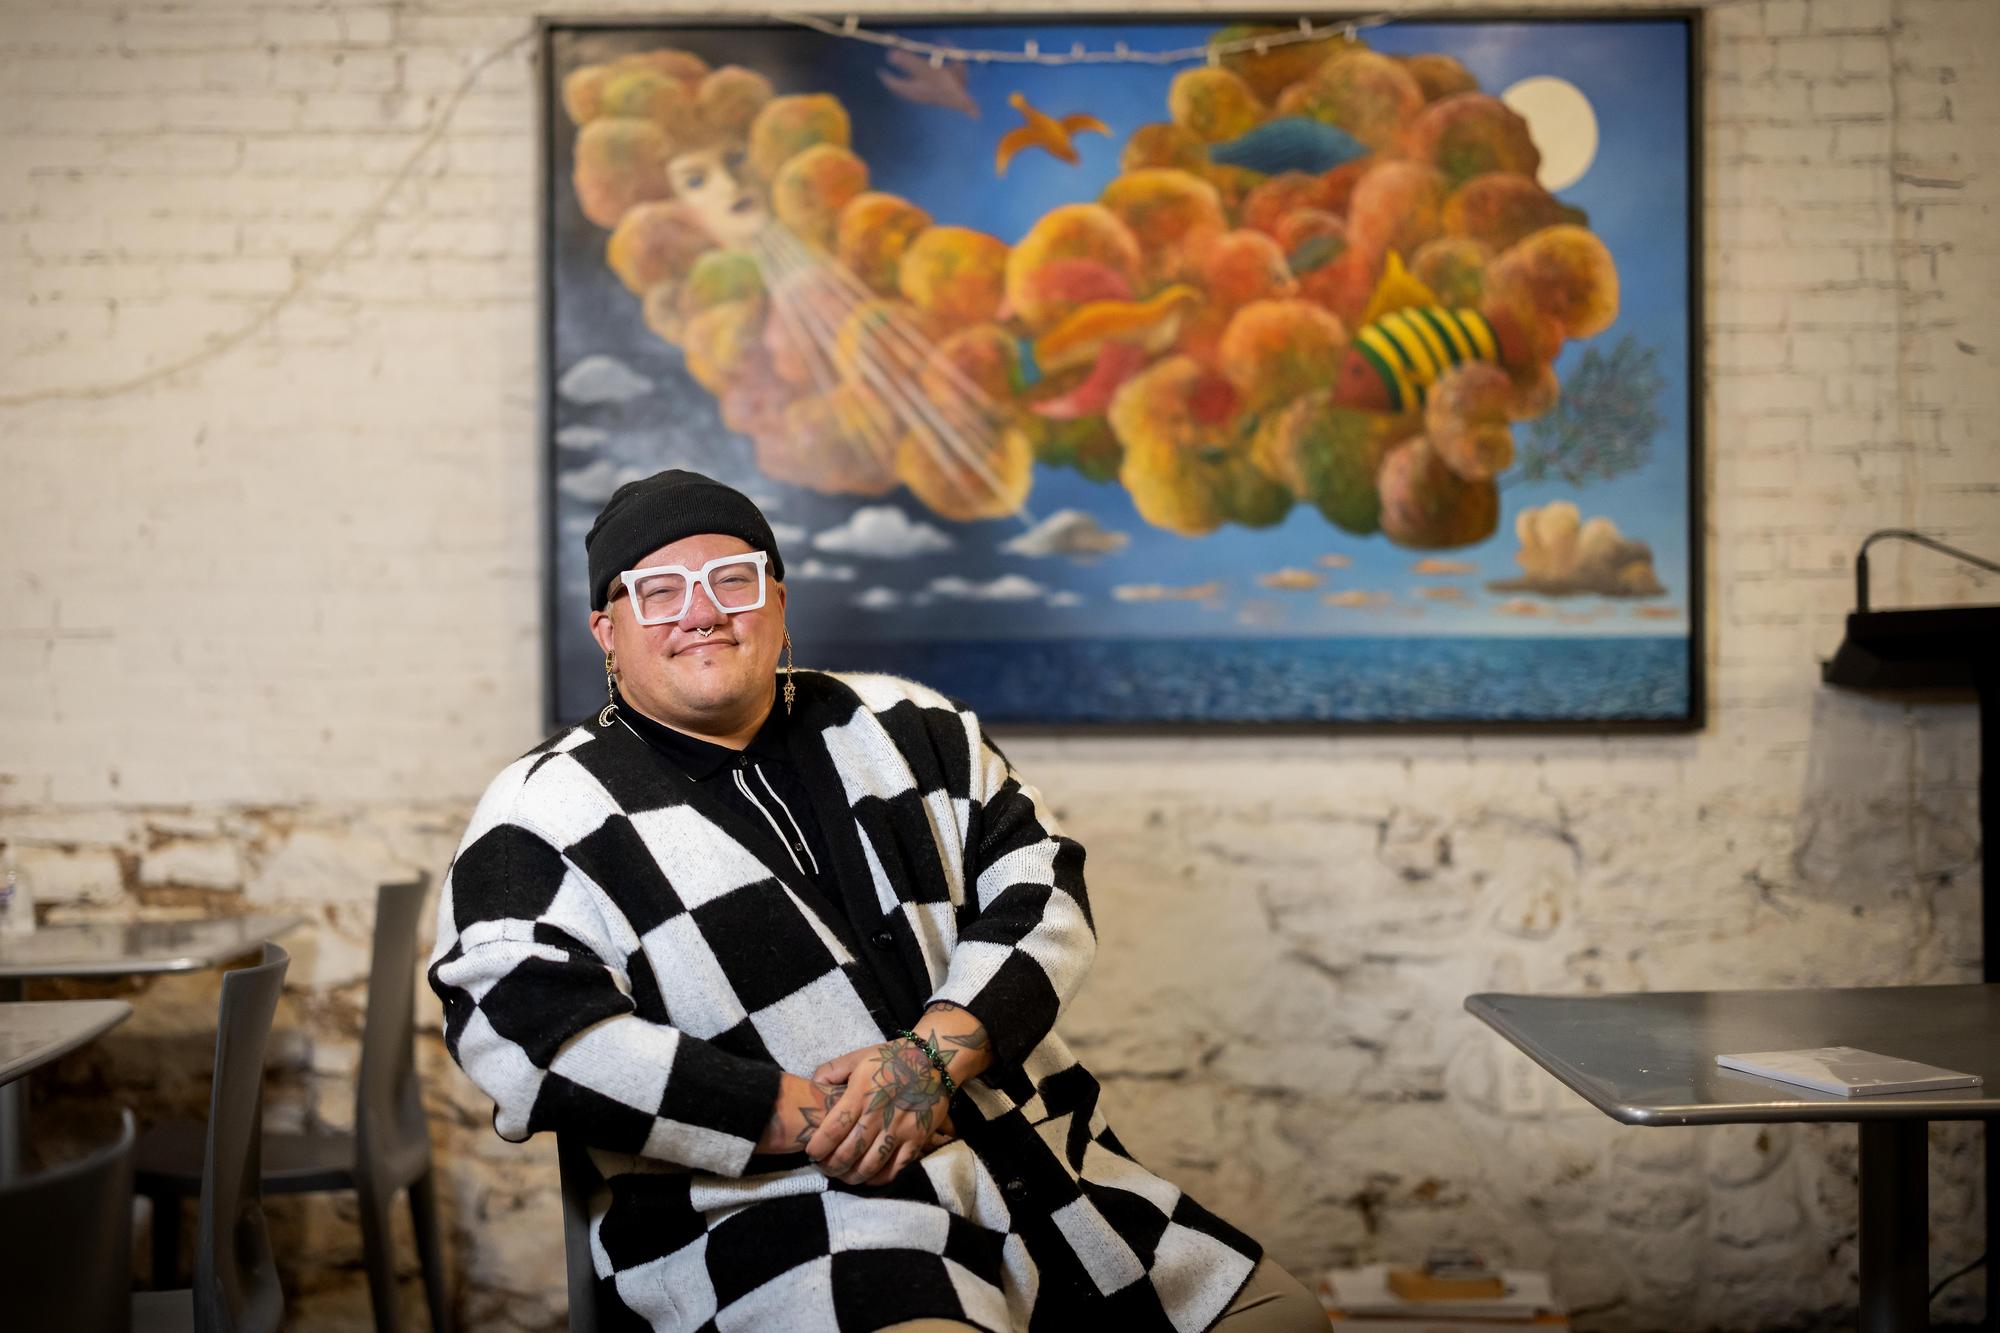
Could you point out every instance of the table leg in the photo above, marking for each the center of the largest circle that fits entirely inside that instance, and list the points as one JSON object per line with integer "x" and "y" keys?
{"x": 13, "y": 1128}
{"x": 1992, "y": 1146}
{"x": 13, "y": 1104}
{"x": 1895, "y": 1226}
{"x": 1986, "y": 679}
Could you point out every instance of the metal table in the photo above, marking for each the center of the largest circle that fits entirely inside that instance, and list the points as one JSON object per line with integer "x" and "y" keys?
{"x": 1650, "y": 1060}
{"x": 132, "y": 948}
{"x": 114, "y": 949}
{"x": 32, "y": 1035}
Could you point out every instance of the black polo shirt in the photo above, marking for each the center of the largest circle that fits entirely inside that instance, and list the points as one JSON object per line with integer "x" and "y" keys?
{"x": 760, "y": 784}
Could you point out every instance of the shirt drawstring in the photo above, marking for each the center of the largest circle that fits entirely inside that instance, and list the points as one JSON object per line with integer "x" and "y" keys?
{"x": 789, "y": 819}
{"x": 763, "y": 810}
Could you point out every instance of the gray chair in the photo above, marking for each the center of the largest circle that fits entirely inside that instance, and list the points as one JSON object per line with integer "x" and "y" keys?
{"x": 579, "y": 1181}
{"x": 67, "y": 1261}
{"x": 389, "y": 1150}
{"x": 235, "y": 1280}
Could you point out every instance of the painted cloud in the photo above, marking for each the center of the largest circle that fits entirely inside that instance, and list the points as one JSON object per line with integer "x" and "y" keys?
{"x": 1006, "y": 588}
{"x": 582, "y": 437}
{"x": 1068, "y": 532}
{"x": 882, "y": 531}
{"x": 602, "y": 379}
{"x": 1289, "y": 579}
{"x": 1562, "y": 556}
{"x": 1158, "y": 592}
{"x": 595, "y": 483}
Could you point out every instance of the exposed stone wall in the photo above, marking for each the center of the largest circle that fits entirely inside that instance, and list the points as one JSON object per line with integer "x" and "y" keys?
{"x": 269, "y": 608}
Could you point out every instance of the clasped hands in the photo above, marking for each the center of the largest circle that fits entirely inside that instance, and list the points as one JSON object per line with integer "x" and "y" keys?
{"x": 866, "y": 1115}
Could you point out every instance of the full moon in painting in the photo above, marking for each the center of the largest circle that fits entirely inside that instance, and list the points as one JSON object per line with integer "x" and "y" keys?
{"x": 1562, "y": 124}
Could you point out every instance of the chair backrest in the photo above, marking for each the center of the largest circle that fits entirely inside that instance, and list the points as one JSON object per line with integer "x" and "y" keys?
{"x": 67, "y": 1259}
{"x": 388, "y": 1104}
{"x": 579, "y": 1181}
{"x": 235, "y": 1281}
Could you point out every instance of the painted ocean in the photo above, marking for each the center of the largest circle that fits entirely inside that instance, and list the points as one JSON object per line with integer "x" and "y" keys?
{"x": 1356, "y": 680}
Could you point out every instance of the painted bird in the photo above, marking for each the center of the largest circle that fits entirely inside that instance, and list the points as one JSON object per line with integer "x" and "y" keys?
{"x": 1046, "y": 132}
{"x": 1394, "y": 361}
{"x": 918, "y": 80}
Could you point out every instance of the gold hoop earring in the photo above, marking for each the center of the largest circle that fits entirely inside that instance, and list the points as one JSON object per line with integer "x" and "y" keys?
{"x": 609, "y": 713}
{"x": 791, "y": 690}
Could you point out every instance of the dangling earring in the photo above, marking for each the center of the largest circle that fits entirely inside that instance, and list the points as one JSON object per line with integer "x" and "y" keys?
{"x": 609, "y": 713}
{"x": 791, "y": 690}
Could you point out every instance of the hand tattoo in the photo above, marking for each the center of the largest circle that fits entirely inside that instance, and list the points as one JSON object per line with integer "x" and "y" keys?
{"x": 829, "y": 1094}
{"x": 904, "y": 1080}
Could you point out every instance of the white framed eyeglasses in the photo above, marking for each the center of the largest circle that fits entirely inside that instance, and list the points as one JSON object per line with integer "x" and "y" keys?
{"x": 661, "y": 594}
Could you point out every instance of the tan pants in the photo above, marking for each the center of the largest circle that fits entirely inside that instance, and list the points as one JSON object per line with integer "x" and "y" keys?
{"x": 1272, "y": 1301}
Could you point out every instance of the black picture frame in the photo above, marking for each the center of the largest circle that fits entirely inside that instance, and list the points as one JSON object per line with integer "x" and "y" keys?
{"x": 566, "y": 700}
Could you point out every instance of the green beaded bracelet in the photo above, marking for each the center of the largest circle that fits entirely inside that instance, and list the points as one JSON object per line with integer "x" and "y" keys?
{"x": 931, "y": 1053}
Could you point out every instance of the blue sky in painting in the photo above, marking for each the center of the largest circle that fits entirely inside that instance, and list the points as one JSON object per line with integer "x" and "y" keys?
{"x": 1635, "y": 75}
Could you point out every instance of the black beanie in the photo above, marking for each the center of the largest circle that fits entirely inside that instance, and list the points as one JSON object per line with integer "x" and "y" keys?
{"x": 642, "y": 516}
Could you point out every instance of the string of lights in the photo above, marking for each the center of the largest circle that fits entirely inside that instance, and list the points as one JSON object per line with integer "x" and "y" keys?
{"x": 938, "y": 54}
{"x": 1031, "y": 53}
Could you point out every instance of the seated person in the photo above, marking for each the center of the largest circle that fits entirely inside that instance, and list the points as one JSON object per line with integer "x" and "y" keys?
{"x": 786, "y": 951}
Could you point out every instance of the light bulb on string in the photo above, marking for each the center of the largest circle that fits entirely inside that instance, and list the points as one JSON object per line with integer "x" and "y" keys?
{"x": 1214, "y": 52}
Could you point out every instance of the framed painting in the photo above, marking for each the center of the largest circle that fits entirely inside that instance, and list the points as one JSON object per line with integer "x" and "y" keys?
{"x": 1153, "y": 371}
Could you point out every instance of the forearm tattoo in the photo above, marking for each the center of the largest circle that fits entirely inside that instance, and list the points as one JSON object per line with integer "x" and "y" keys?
{"x": 815, "y": 1113}
{"x": 974, "y": 1040}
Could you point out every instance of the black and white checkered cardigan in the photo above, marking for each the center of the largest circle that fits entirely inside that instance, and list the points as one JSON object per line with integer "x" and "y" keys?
{"x": 619, "y": 964}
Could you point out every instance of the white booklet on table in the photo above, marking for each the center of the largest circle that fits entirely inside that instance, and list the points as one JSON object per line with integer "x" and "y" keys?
{"x": 1847, "y": 1071}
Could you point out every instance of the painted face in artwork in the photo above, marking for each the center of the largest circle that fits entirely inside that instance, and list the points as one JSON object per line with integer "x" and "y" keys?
{"x": 711, "y": 182}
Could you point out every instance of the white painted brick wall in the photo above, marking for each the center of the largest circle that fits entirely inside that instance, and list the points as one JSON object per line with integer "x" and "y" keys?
{"x": 269, "y": 273}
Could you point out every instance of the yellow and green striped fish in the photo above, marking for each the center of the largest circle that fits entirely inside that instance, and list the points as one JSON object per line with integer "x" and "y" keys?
{"x": 1393, "y": 362}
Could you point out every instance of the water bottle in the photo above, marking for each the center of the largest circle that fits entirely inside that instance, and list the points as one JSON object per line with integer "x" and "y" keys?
{"x": 17, "y": 900}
